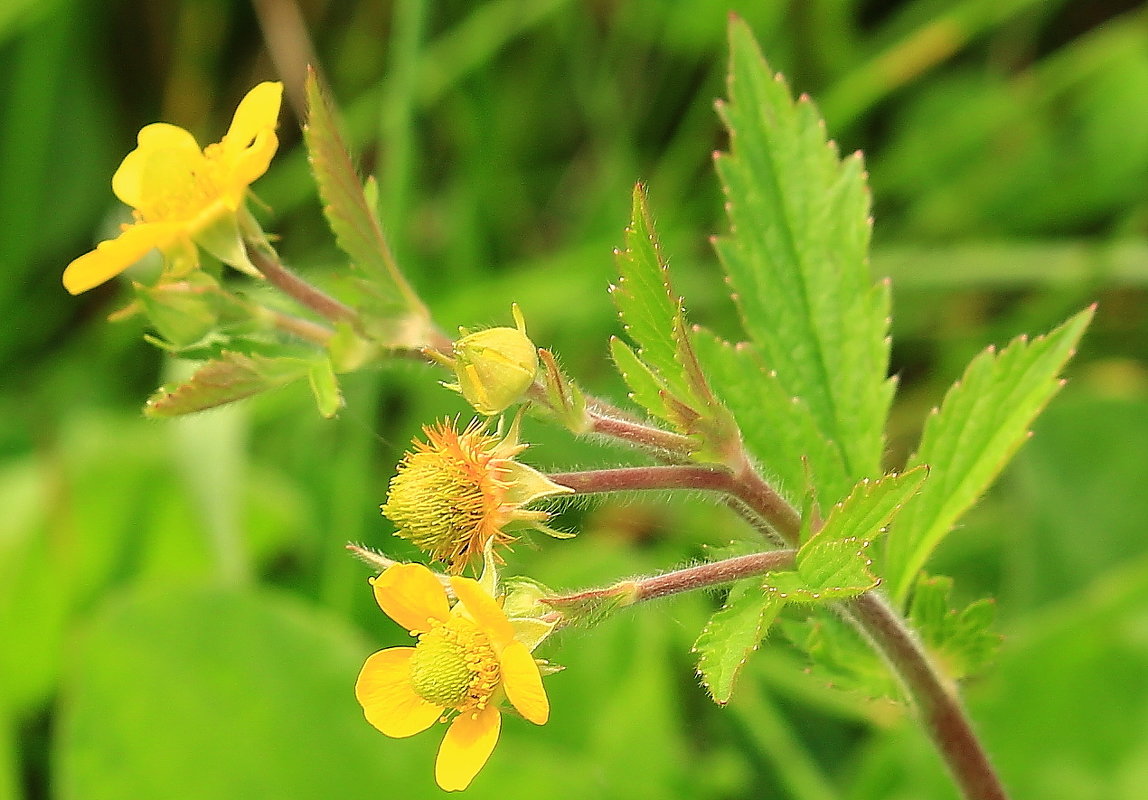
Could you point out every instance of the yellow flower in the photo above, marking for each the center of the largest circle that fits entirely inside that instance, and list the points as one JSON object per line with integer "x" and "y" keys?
{"x": 458, "y": 493}
{"x": 467, "y": 659}
{"x": 183, "y": 196}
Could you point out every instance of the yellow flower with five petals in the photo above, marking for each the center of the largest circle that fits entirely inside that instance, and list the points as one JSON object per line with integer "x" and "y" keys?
{"x": 183, "y": 196}
{"x": 468, "y": 659}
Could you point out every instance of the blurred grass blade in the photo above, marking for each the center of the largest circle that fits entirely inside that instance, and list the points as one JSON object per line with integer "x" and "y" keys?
{"x": 353, "y": 220}
{"x": 983, "y": 420}
{"x": 796, "y": 258}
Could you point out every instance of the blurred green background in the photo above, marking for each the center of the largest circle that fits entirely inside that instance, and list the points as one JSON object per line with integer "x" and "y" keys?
{"x": 177, "y": 616}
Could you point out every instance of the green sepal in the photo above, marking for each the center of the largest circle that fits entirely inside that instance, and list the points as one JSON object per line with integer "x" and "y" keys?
{"x": 325, "y": 387}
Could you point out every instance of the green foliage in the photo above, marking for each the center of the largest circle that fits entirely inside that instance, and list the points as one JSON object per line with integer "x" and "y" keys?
{"x": 832, "y": 565}
{"x": 664, "y": 376}
{"x": 984, "y": 418}
{"x": 354, "y": 221}
{"x": 732, "y": 634}
{"x": 234, "y": 376}
{"x": 797, "y": 262}
{"x": 962, "y": 641}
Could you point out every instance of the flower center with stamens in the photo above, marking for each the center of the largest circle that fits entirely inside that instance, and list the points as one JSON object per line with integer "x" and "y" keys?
{"x": 447, "y": 495}
{"x": 455, "y": 666}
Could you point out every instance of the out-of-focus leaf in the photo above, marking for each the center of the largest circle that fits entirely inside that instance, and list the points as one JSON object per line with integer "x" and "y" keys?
{"x": 839, "y": 656}
{"x": 962, "y": 641}
{"x": 205, "y": 692}
{"x": 966, "y": 443}
{"x": 234, "y": 376}
{"x": 325, "y": 387}
{"x": 732, "y": 634}
{"x": 796, "y": 257}
{"x": 353, "y": 220}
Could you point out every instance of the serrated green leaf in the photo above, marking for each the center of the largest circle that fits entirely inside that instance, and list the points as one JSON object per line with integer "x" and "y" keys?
{"x": 777, "y": 429}
{"x": 653, "y": 316}
{"x": 839, "y": 656}
{"x": 645, "y": 387}
{"x": 963, "y": 642}
{"x": 868, "y": 509}
{"x": 796, "y": 257}
{"x": 834, "y": 563}
{"x": 354, "y": 221}
{"x": 233, "y": 376}
{"x": 732, "y": 633}
{"x": 646, "y": 303}
{"x": 984, "y": 419}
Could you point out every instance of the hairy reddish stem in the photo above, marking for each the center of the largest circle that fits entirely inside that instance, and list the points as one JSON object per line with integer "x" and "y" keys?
{"x": 935, "y": 697}
{"x": 292, "y": 285}
{"x": 687, "y": 579}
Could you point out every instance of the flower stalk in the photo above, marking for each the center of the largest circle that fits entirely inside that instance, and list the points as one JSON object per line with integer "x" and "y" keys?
{"x": 266, "y": 260}
{"x": 688, "y": 579}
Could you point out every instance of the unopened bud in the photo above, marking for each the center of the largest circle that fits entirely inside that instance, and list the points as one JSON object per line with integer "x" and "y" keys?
{"x": 496, "y": 366}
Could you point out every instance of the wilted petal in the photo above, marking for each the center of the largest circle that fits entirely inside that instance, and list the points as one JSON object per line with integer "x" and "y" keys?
{"x": 412, "y": 596}
{"x": 466, "y": 747}
{"x": 388, "y": 699}
{"x": 523, "y": 683}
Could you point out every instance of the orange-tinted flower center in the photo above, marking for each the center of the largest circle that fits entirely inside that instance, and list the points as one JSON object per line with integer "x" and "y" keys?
{"x": 455, "y": 666}
{"x": 447, "y": 497}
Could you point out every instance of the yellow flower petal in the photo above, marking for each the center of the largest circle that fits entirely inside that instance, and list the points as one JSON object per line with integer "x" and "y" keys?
{"x": 163, "y": 150}
{"x": 467, "y": 745}
{"x": 258, "y": 112}
{"x": 112, "y": 257}
{"x": 523, "y": 683}
{"x": 250, "y": 165}
{"x": 484, "y": 610}
{"x": 412, "y": 596}
{"x": 388, "y": 699}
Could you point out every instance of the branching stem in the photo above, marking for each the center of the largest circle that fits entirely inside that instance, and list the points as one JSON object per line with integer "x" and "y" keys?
{"x": 935, "y": 697}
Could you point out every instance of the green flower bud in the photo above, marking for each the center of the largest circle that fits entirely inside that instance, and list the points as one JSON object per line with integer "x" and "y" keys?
{"x": 496, "y": 366}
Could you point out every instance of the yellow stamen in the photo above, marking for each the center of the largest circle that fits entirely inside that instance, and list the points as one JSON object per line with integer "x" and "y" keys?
{"x": 455, "y": 666}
